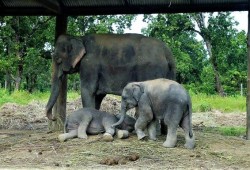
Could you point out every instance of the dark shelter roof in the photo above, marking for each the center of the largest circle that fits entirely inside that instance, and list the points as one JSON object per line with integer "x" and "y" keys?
{"x": 99, "y": 7}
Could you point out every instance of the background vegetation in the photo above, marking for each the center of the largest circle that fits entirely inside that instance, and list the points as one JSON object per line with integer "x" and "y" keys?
{"x": 214, "y": 63}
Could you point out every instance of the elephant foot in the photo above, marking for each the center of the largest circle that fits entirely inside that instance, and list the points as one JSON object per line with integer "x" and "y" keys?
{"x": 122, "y": 134}
{"x": 141, "y": 135}
{"x": 189, "y": 143}
{"x": 62, "y": 137}
{"x": 107, "y": 137}
{"x": 153, "y": 138}
{"x": 169, "y": 143}
{"x": 82, "y": 136}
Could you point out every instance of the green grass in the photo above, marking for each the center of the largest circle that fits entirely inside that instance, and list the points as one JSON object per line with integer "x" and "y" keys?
{"x": 23, "y": 97}
{"x": 203, "y": 103}
{"x": 227, "y": 131}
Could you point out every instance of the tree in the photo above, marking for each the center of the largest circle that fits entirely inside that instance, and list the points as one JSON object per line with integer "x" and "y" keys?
{"x": 188, "y": 51}
{"x": 225, "y": 47}
{"x": 22, "y": 41}
{"x": 217, "y": 35}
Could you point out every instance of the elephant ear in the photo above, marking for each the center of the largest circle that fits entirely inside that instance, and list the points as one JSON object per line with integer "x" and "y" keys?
{"x": 137, "y": 91}
{"x": 76, "y": 50}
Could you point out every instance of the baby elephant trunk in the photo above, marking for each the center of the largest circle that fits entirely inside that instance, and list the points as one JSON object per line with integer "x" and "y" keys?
{"x": 119, "y": 122}
{"x": 123, "y": 113}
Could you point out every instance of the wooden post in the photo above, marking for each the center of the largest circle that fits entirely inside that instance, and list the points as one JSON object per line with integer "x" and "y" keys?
{"x": 248, "y": 77}
{"x": 59, "y": 109}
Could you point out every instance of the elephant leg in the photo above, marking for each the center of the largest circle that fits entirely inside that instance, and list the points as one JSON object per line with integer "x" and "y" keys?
{"x": 136, "y": 112}
{"x": 109, "y": 131}
{"x": 88, "y": 98}
{"x": 122, "y": 134}
{"x": 172, "y": 119}
{"x": 82, "y": 129}
{"x": 108, "y": 135}
{"x": 171, "y": 137}
{"x": 89, "y": 81}
{"x": 71, "y": 134}
{"x": 98, "y": 100}
{"x": 152, "y": 129}
{"x": 141, "y": 125}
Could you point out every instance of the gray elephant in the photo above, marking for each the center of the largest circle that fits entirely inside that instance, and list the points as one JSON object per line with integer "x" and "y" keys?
{"x": 159, "y": 100}
{"x": 106, "y": 63}
{"x": 91, "y": 121}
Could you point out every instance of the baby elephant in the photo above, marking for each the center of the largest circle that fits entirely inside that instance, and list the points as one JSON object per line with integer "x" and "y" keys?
{"x": 159, "y": 99}
{"x": 91, "y": 121}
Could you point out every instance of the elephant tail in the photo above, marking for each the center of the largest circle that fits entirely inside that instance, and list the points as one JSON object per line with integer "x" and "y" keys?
{"x": 186, "y": 121}
{"x": 190, "y": 119}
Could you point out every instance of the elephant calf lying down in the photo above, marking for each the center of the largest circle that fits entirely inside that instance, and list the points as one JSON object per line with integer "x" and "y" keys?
{"x": 159, "y": 99}
{"x": 91, "y": 121}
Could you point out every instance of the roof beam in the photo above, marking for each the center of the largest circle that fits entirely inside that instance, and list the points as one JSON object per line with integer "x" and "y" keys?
{"x": 54, "y": 8}
{"x": 51, "y": 5}
{"x": 1, "y": 4}
{"x": 126, "y": 2}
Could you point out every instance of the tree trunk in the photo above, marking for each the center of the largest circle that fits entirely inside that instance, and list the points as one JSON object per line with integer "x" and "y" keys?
{"x": 19, "y": 54}
{"x": 59, "y": 110}
{"x": 8, "y": 82}
{"x": 199, "y": 18}
{"x": 248, "y": 78}
{"x": 218, "y": 85}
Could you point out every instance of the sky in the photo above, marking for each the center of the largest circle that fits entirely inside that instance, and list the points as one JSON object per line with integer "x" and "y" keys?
{"x": 241, "y": 17}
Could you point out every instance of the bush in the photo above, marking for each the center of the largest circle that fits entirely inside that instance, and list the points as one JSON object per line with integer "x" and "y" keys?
{"x": 204, "y": 107}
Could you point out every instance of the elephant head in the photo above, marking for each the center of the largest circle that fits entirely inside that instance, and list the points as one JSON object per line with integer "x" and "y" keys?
{"x": 131, "y": 95}
{"x": 68, "y": 52}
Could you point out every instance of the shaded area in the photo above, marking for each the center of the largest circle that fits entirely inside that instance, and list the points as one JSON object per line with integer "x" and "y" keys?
{"x": 36, "y": 148}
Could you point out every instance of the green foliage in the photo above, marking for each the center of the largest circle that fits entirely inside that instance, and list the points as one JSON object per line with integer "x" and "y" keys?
{"x": 23, "y": 97}
{"x": 82, "y": 25}
{"x": 195, "y": 68}
{"x": 228, "y": 131}
{"x": 203, "y": 102}
{"x": 20, "y": 97}
{"x": 188, "y": 51}
{"x": 22, "y": 40}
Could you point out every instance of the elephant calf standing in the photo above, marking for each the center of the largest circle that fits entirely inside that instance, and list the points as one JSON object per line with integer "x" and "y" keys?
{"x": 91, "y": 121}
{"x": 159, "y": 99}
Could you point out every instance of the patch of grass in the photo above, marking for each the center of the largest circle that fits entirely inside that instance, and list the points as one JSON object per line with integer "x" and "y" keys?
{"x": 227, "y": 131}
{"x": 203, "y": 103}
{"x": 204, "y": 107}
{"x": 232, "y": 131}
{"x": 24, "y": 97}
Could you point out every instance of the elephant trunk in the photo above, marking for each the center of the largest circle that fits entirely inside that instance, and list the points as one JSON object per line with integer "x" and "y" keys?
{"x": 123, "y": 113}
{"x": 56, "y": 82}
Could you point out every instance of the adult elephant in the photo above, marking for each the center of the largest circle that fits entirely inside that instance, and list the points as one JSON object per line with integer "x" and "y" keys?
{"x": 107, "y": 62}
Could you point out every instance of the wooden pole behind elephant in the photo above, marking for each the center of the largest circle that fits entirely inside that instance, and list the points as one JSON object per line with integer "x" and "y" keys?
{"x": 248, "y": 76}
{"x": 59, "y": 110}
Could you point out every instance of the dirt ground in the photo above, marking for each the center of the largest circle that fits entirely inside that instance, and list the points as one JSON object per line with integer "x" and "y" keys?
{"x": 26, "y": 144}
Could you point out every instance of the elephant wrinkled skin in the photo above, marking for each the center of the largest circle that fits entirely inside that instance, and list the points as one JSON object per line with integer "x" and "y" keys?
{"x": 159, "y": 99}
{"x": 106, "y": 63}
{"x": 91, "y": 121}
